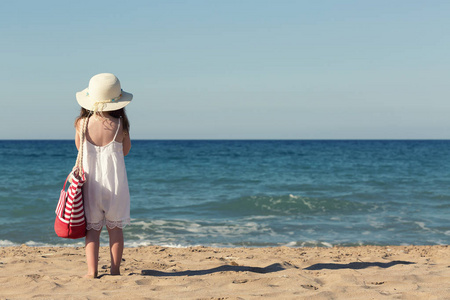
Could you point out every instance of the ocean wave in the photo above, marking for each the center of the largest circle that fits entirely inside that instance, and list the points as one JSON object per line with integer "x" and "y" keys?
{"x": 286, "y": 205}
{"x": 7, "y": 243}
{"x": 184, "y": 233}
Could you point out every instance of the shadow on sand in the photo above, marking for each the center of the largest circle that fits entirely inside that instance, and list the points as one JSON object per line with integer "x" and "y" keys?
{"x": 274, "y": 268}
{"x": 357, "y": 265}
{"x": 226, "y": 268}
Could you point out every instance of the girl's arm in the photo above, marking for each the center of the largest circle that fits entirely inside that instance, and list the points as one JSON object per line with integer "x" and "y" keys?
{"x": 126, "y": 143}
{"x": 77, "y": 136}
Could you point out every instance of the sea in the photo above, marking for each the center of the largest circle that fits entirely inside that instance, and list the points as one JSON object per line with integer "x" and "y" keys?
{"x": 245, "y": 193}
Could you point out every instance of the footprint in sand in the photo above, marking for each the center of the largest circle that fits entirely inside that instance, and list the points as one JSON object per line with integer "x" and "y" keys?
{"x": 240, "y": 281}
{"x": 143, "y": 282}
{"x": 309, "y": 287}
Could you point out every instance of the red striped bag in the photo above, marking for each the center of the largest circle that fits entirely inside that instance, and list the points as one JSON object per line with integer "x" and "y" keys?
{"x": 70, "y": 221}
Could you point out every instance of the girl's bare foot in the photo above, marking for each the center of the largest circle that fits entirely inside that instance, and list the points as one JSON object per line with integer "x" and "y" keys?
{"x": 91, "y": 276}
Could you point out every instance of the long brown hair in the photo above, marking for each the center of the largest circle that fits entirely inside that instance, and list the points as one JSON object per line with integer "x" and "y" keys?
{"x": 84, "y": 113}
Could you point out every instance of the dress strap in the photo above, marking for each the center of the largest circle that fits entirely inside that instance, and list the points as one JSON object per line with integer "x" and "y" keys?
{"x": 117, "y": 131}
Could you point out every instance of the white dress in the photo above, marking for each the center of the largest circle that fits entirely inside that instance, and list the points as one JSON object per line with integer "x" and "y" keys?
{"x": 105, "y": 192}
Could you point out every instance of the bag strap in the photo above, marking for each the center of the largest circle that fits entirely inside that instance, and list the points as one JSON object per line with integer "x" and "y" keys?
{"x": 78, "y": 168}
{"x": 67, "y": 179}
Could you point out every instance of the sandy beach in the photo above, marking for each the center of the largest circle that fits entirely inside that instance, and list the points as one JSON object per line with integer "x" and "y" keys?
{"x": 369, "y": 272}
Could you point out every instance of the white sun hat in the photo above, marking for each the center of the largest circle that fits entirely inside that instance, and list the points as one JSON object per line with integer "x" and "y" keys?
{"x": 103, "y": 94}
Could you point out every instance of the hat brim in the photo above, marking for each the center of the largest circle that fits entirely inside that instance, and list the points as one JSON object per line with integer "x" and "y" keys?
{"x": 87, "y": 102}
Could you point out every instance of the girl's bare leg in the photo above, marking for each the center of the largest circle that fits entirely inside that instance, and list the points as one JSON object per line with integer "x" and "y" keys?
{"x": 116, "y": 249}
{"x": 92, "y": 249}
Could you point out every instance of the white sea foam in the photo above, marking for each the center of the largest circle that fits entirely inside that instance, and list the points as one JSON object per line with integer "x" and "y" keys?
{"x": 194, "y": 228}
{"x": 168, "y": 232}
{"x": 7, "y": 243}
{"x": 251, "y": 218}
{"x": 308, "y": 204}
{"x": 134, "y": 244}
{"x": 329, "y": 245}
{"x": 373, "y": 222}
{"x": 290, "y": 244}
{"x": 145, "y": 225}
{"x": 422, "y": 226}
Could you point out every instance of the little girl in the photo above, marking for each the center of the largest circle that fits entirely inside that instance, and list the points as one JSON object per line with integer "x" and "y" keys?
{"x": 107, "y": 141}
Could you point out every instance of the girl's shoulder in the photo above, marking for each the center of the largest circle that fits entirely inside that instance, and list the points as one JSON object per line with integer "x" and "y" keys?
{"x": 79, "y": 123}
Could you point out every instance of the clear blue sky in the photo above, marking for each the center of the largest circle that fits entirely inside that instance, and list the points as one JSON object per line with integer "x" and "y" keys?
{"x": 231, "y": 69}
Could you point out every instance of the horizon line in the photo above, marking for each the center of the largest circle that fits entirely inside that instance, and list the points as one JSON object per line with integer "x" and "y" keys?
{"x": 253, "y": 139}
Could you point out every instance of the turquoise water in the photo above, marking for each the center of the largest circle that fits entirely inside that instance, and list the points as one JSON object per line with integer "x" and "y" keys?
{"x": 246, "y": 193}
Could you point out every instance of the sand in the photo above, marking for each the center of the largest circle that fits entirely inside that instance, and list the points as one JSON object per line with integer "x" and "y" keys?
{"x": 370, "y": 272}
